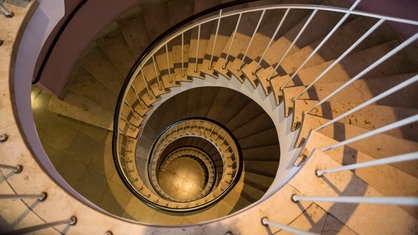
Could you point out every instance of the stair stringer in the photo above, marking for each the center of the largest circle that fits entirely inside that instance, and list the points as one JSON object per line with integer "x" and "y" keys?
{"x": 287, "y": 138}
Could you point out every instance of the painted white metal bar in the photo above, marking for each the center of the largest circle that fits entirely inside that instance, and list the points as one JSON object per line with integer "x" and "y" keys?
{"x": 403, "y": 201}
{"x": 232, "y": 41}
{"x": 16, "y": 169}
{"x": 293, "y": 43}
{"x": 146, "y": 84}
{"x": 137, "y": 96}
{"x": 182, "y": 54}
{"x": 271, "y": 41}
{"x": 336, "y": 27}
{"x": 383, "y": 161}
{"x": 281, "y": 6}
{"x": 252, "y": 39}
{"x": 372, "y": 66}
{"x": 374, "y": 99}
{"x": 267, "y": 222}
{"x": 214, "y": 40}
{"x": 40, "y": 197}
{"x": 170, "y": 79}
{"x": 391, "y": 126}
{"x": 157, "y": 74}
{"x": 134, "y": 113}
{"x": 197, "y": 47}
{"x": 342, "y": 56}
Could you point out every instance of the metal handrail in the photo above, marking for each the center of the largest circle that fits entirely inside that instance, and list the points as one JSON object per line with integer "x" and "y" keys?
{"x": 221, "y": 14}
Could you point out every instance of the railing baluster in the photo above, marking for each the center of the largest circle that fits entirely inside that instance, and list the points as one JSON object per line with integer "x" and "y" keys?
{"x": 137, "y": 96}
{"x": 342, "y": 20}
{"x": 404, "y": 201}
{"x": 170, "y": 79}
{"x": 374, "y": 99}
{"x": 354, "y": 45}
{"x": 232, "y": 41}
{"x": 182, "y": 54}
{"x": 71, "y": 221}
{"x": 5, "y": 12}
{"x": 251, "y": 40}
{"x": 267, "y": 222}
{"x": 146, "y": 84}
{"x": 391, "y": 126}
{"x": 271, "y": 41}
{"x": 197, "y": 48}
{"x": 214, "y": 40}
{"x": 132, "y": 110}
{"x": 293, "y": 43}
{"x": 157, "y": 74}
{"x": 16, "y": 169}
{"x": 39, "y": 197}
{"x": 383, "y": 161}
{"x": 369, "y": 68}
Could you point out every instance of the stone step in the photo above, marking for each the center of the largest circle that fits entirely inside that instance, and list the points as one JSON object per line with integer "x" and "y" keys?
{"x": 266, "y": 168}
{"x": 322, "y": 22}
{"x": 260, "y": 182}
{"x": 179, "y": 10}
{"x": 362, "y": 89}
{"x": 369, "y": 117}
{"x": 349, "y": 67}
{"x": 403, "y": 177}
{"x": 133, "y": 29}
{"x": 113, "y": 44}
{"x": 101, "y": 68}
{"x": 157, "y": 18}
{"x": 377, "y": 146}
{"x": 83, "y": 84}
{"x": 389, "y": 218}
{"x": 82, "y": 109}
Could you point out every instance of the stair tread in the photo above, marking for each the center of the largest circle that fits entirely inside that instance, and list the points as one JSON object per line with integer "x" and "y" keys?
{"x": 179, "y": 10}
{"x": 309, "y": 35}
{"x": 360, "y": 89}
{"x": 113, "y": 44}
{"x": 82, "y": 83}
{"x": 378, "y": 146}
{"x": 347, "y": 184}
{"x": 134, "y": 31}
{"x": 369, "y": 117}
{"x": 82, "y": 109}
{"x": 403, "y": 176}
{"x": 102, "y": 69}
{"x": 156, "y": 15}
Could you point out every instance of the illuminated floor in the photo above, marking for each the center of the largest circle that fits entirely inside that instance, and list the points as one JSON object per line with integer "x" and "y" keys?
{"x": 183, "y": 179}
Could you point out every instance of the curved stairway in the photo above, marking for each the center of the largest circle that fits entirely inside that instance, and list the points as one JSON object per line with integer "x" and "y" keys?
{"x": 317, "y": 217}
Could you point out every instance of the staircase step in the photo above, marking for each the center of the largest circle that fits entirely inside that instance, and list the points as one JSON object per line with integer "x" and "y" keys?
{"x": 362, "y": 89}
{"x": 378, "y": 146}
{"x": 134, "y": 31}
{"x": 179, "y": 10}
{"x": 82, "y": 109}
{"x": 403, "y": 176}
{"x": 323, "y": 22}
{"x": 157, "y": 19}
{"x": 342, "y": 39}
{"x": 83, "y": 84}
{"x": 251, "y": 193}
{"x": 198, "y": 46}
{"x": 260, "y": 182}
{"x": 113, "y": 44}
{"x": 388, "y": 218}
{"x": 262, "y": 153}
{"x": 261, "y": 138}
{"x": 265, "y": 168}
{"x": 102, "y": 69}
{"x": 350, "y": 66}
{"x": 259, "y": 123}
{"x": 369, "y": 117}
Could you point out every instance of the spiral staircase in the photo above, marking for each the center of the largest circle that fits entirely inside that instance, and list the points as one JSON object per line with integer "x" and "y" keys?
{"x": 264, "y": 99}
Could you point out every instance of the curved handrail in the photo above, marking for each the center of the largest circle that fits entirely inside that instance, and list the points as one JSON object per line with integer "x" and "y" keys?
{"x": 162, "y": 41}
